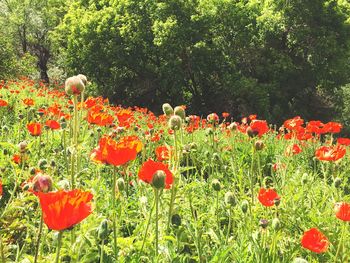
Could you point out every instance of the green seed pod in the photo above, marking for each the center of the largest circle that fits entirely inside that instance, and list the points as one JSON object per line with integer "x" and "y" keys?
{"x": 120, "y": 184}
{"x": 216, "y": 185}
{"x": 176, "y": 220}
{"x": 244, "y": 206}
{"x": 337, "y": 182}
{"x": 175, "y": 122}
{"x": 158, "y": 179}
{"x": 167, "y": 109}
{"x": 276, "y": 224}
{"x": 102, "y": 231}
{"x": 230, "y": 199}
{"x": 179, "y": 111}
{"x": 42, "y": 164}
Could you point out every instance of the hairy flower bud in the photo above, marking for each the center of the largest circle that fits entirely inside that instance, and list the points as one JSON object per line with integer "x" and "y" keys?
{"x": 167, "y": 109}
{"x": 74, "y": 85}
{"x": 42, "y": 183}
{"x": 230, "y": 199}
{"x": 276, "y": 224}
{"x": 102, "y": 231}
{"x": 175, "y": 122}
{"x": 120, "y": 184}
{"x": 244, "y": 206}
{"x": 83, "y": 79}
{"x": 216, "y": 185}
{"x": 259, "y": 145}
{"x": 179, "y": 111}
{"x": 158, "y": 179}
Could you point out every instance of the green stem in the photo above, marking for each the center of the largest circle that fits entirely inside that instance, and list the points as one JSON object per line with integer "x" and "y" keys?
{"x": 217, "y": 211}
{"x": 147, "y": 227}
{"x": 156, "y": 193}
{"x": 101, "y": 256}
{"x": 340, "y": 241}
{"x": 252, "y": 176}
{"x": 59, "y": 241}
{"x": 113, "y": 212}
{"x": 2, "y": 251}
{"x": 38, "y": 240}
{"x": 229, "y": 224}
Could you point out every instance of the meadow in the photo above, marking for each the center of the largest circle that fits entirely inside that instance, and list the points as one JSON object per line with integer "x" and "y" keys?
{"x": 83, "y": 180}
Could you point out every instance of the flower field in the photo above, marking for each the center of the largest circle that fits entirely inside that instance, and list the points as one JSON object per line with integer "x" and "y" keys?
{"x": 83, "y": 180}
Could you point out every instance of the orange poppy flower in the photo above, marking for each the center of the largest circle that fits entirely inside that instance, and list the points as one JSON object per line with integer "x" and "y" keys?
{"x": 342, "y": 211}
{"x": 16, "y": 158}
{"x": 267, "y": 197}
{"x": 330, "y": 153}
{"x": 116, "y": 153}
{"x": 150, "y": 167}
{"x": 34, "y": 128}
{"x": 3, "y": 103}
{"x": 64, "y": 209}
{"x": 315, "y": 241}
{"x": 225, "y": 114}
{"x": 53, "y": 125}
{"x": 343, "y": 141}
{"x": 28, "y": 102}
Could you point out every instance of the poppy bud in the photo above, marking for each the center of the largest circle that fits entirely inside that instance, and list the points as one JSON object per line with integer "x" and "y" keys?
{"x": 179, "y": 111}
{"x": 136, "y": 128}
{"x": 5, "y": 151}
{"x": 230, "y": 199}
{"x": 42, "y": 183}
{"x": 216, "y": 185}
{"x": 32, "y": 171}
{"x": 251, "y": 133}
{"x": 99, "y": 129}
{"x": 175, "y": 122}
{"x": 299, "y": 260}
{"x": 216, "y": 157}
{"x": 22, "y": 146}
{"x": 52, "y": 163}
{"x": 40, "y": 113}
{"x": 91, "y": 134}
{"x": 102, "y": 231}
{"x": 337, "y": 182}
{"x": 277, "y": 201}
{"x": 244, "y": 206}
{"x": 20, "y": 116}
{"x": 176, "y": 220}
{"x": 83, "y": 79}
{"x": 232, "y": 126}
{"x": 209, "y": 131}
{"x": 5, "y": 128}
{"x": 158, "y": 179}
{"x": 42, "y": 164}
{"x": 63, "y": 184}
{"x": 120, "y": 184}
{"x": 304, "y": 178}
{"x": 276, "y": 224}
{"x": 259, "y": 145}
{"x": 263, "y": 223}
{"x": 167, "y": 109}
{"x": 74, "y": 85}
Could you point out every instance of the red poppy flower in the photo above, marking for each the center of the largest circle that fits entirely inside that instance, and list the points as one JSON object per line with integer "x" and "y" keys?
{"x": 342, "y": 211}
{"x": 16, "y": 158}
{"x": 52, "y": 124}
{"x": 295, "y": 149}
{"x": 3, "y": 103}
{"x": 34, "y": 128}
{"x": 116, "y": 153}
{"x": 212, "y": 118}
{"x": 163, "y": 153}
{"x": 330, "y": 153}
{"x": 225, "y": 114}
{"x": 332, "y": 127}
{"x": 259, "y": 126}
{"x": 0, "y": 188}
{"x": 315, "y": 241}
{"x": 99, "y": 118}
{"x": 150, "y": 167}
{"x": 64, "y": 209}
{"x": 267, "y": 197}
{"x": 343, "y": 141}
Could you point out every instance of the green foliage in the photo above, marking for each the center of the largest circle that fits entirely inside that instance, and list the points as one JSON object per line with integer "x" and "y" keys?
{"x": 270, "y": 57}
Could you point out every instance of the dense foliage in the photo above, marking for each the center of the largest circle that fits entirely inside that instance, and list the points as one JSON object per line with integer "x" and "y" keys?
{"x": 83, "y": 180}
{"x": 278, "y": 58}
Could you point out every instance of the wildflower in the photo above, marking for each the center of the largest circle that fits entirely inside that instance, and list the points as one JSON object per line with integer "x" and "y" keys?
{"x": 315, "y": 241}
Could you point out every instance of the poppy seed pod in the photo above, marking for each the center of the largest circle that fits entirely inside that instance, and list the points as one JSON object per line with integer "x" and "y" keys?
{"x": 102, "y": 231}
{"x": 230, "y": 199}
{"x": 167, "y": 109}
{"x": 120, "y": 184}
{"x": 158, "y": 179}
{"x": 216, "y": 185}
{"x": 244, "y": 206}
{"x": 175, "y": 122}
{"x": 251, "y": 133}
{"x": 42, "y": 183}
{"x": 74, "y": 85}
{"x": 22, "y": 146}
{"x": 263, "y": 223}
{"x": 259, "y": 145}
{"x": 42, "y": 164}
{"x": 179, "y": 111}
{"x": 232, "y": 126}
{"x": 176, "y": 220}
{"x": 337, "y": 182}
